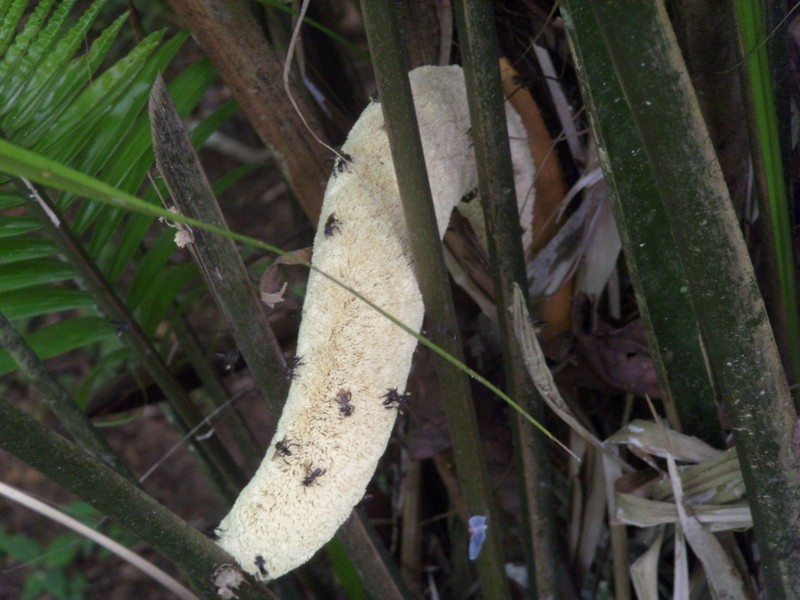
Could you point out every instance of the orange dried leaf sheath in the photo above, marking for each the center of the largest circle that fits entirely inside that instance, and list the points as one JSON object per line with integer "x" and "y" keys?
{"x": 550, "y": 191}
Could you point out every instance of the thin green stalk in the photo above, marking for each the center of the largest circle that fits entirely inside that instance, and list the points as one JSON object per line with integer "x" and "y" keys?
{"x": 391, "y": 75}
{"x": 739, "y": 343}
{"x": 475, "y": 20}
{"x": 770, "y": 183}
{"x": 110, "y": 493}
{"x": 216, "y": 256}
{"x": 210, "y": 450}
{"x": 57, "y": 399}
{"x": 23, "y": 163}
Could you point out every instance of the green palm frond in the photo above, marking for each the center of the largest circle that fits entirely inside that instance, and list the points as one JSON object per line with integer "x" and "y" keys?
{"x": 59, "y": 103}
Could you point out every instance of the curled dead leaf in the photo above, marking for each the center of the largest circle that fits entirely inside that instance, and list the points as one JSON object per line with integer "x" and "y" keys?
{"x": 270, "y": 289}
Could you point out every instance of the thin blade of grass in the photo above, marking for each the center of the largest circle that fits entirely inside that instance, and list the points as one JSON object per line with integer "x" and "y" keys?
{"x": 770, "y": 181}
{"x": 536, "y": 364}
{"x": 39, "y": 169}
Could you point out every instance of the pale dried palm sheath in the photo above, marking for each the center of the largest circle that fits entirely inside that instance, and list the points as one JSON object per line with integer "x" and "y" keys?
{"x": 539, "y": 372}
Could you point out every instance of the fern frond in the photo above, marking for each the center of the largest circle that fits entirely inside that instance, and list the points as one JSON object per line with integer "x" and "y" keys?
{"x": 62, "y": 88}
{"x": 15, "y": 54}
{"x": 54, "y": 102}
{"x": 9, "y": 20}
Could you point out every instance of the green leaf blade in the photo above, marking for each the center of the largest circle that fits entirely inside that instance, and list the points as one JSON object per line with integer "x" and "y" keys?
{"x": 36, "y": 271}
{"x": 79, "y": 122}
{"x": 66, "y": 86}
{"x": 39, "y": 300}
{"x": 30, "y": 61}
{"x": 52, "y": 65}
{"x": 9, "y": 20}
{"x": 61, "y": 337}
{"x": 13, "y": 225}
{"x": 15, "y": 249}
{"x": 16, "y": 53}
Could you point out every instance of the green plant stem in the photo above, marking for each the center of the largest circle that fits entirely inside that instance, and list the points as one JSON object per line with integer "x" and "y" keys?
{"x": 770, "y": 184}
{"x": 401, "y": 125}
{"x": 236, "y": 45}
{"x": 651, "y": 252}
{"x": 93, "y": 481}
{"x": 475, "y": 20}
{"x": 52, "y": 393}
{"x": 411, "y": 554}
{"x": 210, "y": 451}
{"x": 216, "y": 256}
{"x": 739, "y": 343}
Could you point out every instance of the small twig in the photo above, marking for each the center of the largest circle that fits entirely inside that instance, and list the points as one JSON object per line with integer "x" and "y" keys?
{"x": 98, "y": 538}
{"x": 287, "y": 67}
{"x": 188, "y": 436}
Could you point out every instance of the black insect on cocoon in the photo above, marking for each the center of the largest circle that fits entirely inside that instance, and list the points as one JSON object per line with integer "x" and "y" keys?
{"x": 341, "y": 164}
{"x": 282, "y": 448}
{"x": 343, "y": 398}
{"x": 470, "y": 195}
{"x": 290, "y": 372}
{"x": 312, "y": 474}
{"x": 332, "y": 225}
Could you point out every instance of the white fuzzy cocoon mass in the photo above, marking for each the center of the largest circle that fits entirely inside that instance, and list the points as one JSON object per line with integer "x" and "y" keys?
{"x": 344, "y": 346}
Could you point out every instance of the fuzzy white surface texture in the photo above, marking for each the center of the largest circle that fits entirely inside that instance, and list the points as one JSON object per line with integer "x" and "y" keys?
{"x": 278, "y": 522}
